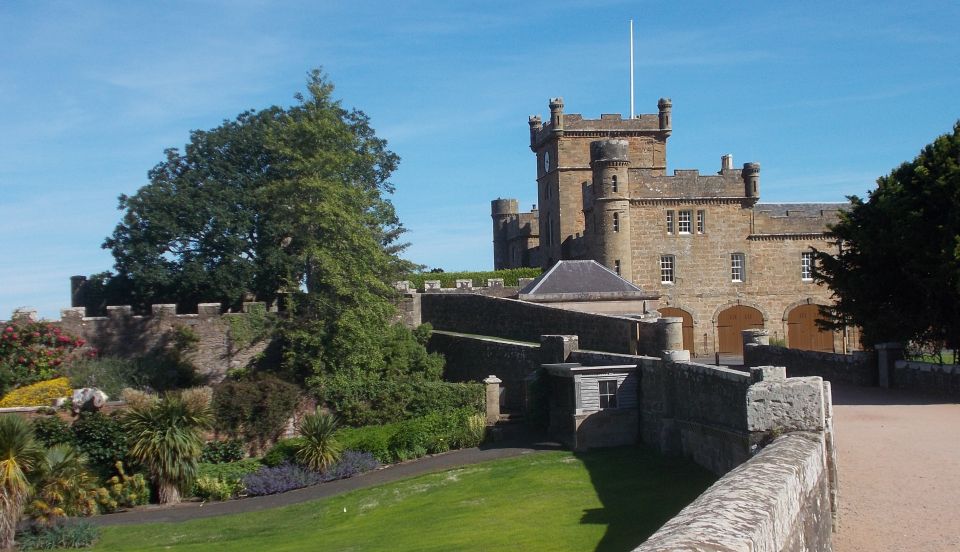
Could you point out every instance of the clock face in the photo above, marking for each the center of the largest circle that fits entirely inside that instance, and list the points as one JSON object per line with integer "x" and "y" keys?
{"x": 546, "y": 161}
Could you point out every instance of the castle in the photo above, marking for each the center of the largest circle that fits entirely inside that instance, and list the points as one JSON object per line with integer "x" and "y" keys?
{"x": 719, "y": 259}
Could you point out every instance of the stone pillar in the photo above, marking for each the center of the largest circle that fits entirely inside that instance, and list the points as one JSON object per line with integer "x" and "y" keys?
{"x": 208, "y": 310}
{"x": 671, "y": 333}
{"x": 555, "y": 349}
{"x": 492, "y": 384}
{"x": 887, "y": 356}
{"x": 164, "y": 310}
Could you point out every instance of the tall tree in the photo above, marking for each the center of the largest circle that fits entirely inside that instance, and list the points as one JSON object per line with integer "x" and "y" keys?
{"x": 275, "y": 201}
{"x": 897, "y": 273}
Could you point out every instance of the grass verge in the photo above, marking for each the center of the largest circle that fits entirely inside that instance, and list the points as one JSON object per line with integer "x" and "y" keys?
{"x": 602, "y": 500}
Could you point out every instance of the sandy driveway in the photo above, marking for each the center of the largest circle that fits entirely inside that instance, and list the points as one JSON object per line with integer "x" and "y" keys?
{"x": 899, "y": 459}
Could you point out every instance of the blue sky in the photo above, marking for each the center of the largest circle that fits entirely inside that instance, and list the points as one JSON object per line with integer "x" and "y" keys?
{"x": 825, "y": 95}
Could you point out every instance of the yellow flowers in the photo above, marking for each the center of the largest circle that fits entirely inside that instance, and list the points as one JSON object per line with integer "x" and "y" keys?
{"x": 39, "y": 394}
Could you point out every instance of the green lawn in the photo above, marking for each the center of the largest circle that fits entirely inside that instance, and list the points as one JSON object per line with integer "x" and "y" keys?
{"x": 604, "y": 500}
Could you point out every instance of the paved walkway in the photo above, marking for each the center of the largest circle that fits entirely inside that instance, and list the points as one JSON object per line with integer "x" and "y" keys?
{"x": 899, "y": 462}
{"x": 194, "y": 510}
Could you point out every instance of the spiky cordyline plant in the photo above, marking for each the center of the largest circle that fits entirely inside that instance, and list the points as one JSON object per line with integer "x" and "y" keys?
{"x": 167, "y": 438}
{"x": 63, "y": 487}
{"x": 19, "y": 455}
{"x": 319, "y": 449}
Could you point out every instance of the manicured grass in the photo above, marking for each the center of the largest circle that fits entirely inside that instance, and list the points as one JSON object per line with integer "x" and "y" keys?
{"x": 603, "y": 500}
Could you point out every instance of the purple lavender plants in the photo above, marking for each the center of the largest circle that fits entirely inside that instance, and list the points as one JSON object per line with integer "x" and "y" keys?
{"x": 279, "y": 479}
{"x": 350, "y": 464}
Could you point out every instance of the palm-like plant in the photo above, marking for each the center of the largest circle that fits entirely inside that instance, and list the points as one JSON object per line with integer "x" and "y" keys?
{"x": 64, "y": 487}
{"x": 319, "y": 449}
{"x": 167, "y": 438}
{"x": 19, "y": 456}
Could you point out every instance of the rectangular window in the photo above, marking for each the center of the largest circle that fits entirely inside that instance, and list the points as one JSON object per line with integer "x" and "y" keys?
{"x": 666, "y": 269}
{"x": 683, "y": 222}
{"x": 669, "y": 222}
{"x": 616, "y": 266}
{"x": 806, "y": 265}
{"x": 616, "y": 222}
{"x": 736, "y": 267}
{"x": 700, "y": 221}
{"x": 608, "y": 394}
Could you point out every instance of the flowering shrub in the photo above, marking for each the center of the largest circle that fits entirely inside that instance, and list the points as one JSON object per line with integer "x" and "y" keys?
{"x": 280, "y": 479}
{"x": 35, "y": 351}
{"x": 37, "y": 394}
{"x": 351, "y": 463}
{"x": 123, "y": 491}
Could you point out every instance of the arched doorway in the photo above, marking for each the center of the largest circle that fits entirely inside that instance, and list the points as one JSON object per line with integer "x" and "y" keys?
{"x": 731, "y": 322}
{"x": 687, "y": 325}
{"x": 803, "y": 333}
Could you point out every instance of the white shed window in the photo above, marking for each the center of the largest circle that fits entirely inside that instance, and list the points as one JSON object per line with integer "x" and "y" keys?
{"x": 608, "y": 394}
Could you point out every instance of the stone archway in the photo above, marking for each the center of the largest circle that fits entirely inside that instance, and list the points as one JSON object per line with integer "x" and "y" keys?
{"x": 803, "y": 332}
{"x": 731, "y": 322}
{"x": 688, "y": 341}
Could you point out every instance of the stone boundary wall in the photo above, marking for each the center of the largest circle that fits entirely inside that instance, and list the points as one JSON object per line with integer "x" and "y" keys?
{"x": 471, "y": 358}
{"x": 125, "y": 335}
{"x": 777, "y": 501}
{"x": 926, "y": 377}
{"x": 523, "y": 321}
{"x": 859, "y": 368}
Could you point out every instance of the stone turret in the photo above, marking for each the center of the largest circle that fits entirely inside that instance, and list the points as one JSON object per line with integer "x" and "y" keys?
{"x": 610, "y": 160}
{"x": 556, "y": 115}
{"x": 536, "y": 125}
{"x": 666, "y": 108}
{"x": 751, "y": 180}
{"x": 502, "y": 211}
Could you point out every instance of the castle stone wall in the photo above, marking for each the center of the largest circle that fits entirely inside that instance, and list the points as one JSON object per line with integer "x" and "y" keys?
{"x": 520, "y": 320}
{"x": 125, "y": 335}
{"x": 859, "y": 368}
{"x": 471, "y": 358}
{"x": 935, "y": 379}
{"x": 778, "y": 501}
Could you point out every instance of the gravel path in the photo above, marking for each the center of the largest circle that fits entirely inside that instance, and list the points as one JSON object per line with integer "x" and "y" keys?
{"x": 899, "y": 461}
{"x": 195, "y": 510}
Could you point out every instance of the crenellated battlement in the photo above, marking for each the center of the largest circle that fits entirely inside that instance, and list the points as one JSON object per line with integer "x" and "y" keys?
{"x": 164, "y": 311}
{"x": 795, "y": 218}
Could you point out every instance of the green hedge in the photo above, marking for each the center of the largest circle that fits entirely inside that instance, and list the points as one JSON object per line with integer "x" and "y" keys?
{"x": 433, "y": 433}
{"x": 449, "y": 279}
{"x": 362, "y": 402}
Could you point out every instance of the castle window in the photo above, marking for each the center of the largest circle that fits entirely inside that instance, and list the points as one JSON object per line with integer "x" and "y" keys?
{"x": 683, "y": 222}
{"x": 616, "y": 266}
{"x": 613, "y": 184}
{"x": 608, "y": 394}
{"x": 806, "y": 266}
{"x": 669, "y": 222}
{"x": 701, "y": 216}
{"x": 666, "y": 269}
{"x": 736, "y": 267}
{"x": 616, "y": 222}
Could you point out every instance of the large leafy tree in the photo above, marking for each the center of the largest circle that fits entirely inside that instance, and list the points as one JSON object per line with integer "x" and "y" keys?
{"x": 897, "y": 272}
{"x": 277, "y": 201}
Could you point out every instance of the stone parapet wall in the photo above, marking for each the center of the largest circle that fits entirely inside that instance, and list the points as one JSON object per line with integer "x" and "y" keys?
{"x": 935, "y": 379}
{"x": 779, "y": 500}
{"x": 523, "y": 321}
{"x": 471, "y": 358}
{"x": 859, "y": 368}
{"x": 123, "y": 334}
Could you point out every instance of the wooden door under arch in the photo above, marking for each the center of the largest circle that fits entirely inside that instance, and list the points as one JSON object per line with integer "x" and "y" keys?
{"x": 687, "y": 325}
{"x": 731, "y": 323}
{"x": 803, "y": 333}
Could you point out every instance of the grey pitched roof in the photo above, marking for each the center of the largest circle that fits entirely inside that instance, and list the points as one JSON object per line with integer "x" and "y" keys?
{"x": 581, "y": 278}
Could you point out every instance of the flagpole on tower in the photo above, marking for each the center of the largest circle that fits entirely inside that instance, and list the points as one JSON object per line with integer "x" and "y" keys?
{"x": 631, "y": 69}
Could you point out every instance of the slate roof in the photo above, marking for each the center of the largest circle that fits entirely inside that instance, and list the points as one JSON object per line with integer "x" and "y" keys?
{"x": 581, "y": 278}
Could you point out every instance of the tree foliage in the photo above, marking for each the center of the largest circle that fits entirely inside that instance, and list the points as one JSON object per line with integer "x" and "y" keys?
{"x": 20, "y": 456}
{"x": 897, "y": 273}
{"x": 276, "y": 201}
